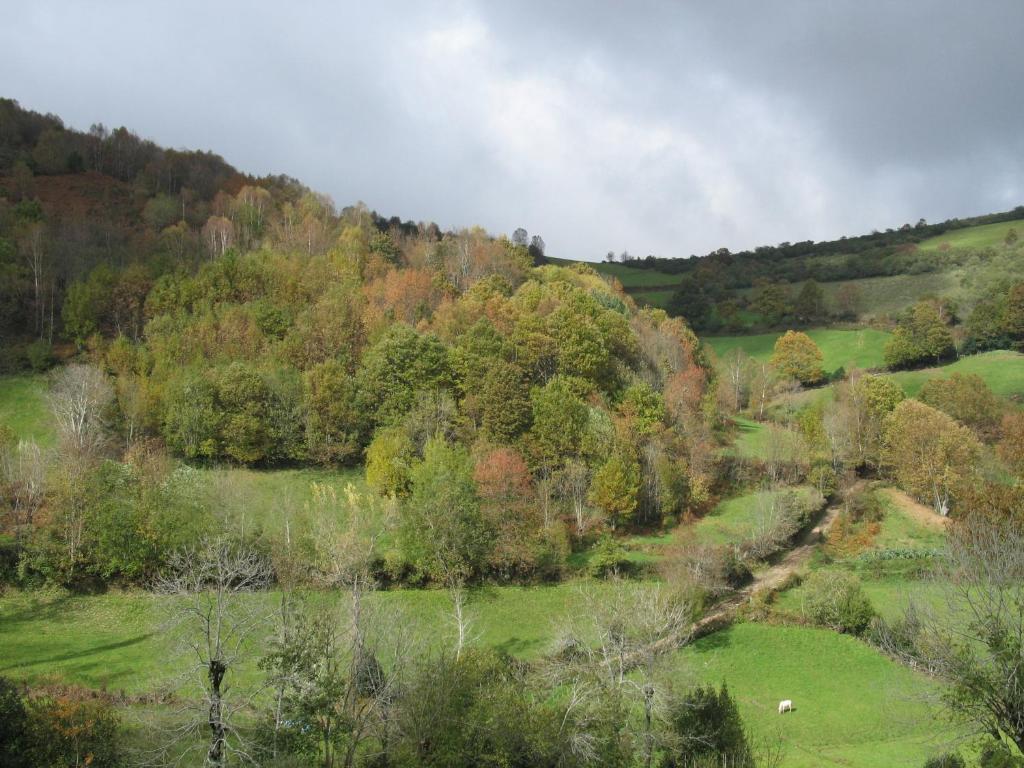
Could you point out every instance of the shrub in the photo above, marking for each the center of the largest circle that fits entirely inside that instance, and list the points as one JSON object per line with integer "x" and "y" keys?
{"x": 836, "y": 600}
{"x": 13, "y": 722}
{"x": 68, "y": 730}
{"x": 610, "y": 558}
{"x": 708, "y": 726}
{"x": 948, "y": 760}
{"x": 39, "y": 355}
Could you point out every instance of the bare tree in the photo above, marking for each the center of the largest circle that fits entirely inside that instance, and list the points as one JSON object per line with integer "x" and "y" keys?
{"x": 23, "y": 473}
{"x": 636, "y": 627}
{"x": 79, "y": 399}
{"x": 574, "y": 480}
{"x": 207, "y": 591}
{"x": 975, "y": 641}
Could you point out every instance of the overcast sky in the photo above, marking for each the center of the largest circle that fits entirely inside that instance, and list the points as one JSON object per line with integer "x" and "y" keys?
{"x": 666, "y": 128}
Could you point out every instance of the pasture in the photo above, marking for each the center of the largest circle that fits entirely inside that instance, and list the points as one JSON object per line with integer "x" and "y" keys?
{"x": 735, "y": 519}
{"x": 1002, "y": 370}
{"x": 981, "y": 236}
{"x": 23, "y": 408}
{"x": 852, "y": 705}
{"x": 856, "y": 348}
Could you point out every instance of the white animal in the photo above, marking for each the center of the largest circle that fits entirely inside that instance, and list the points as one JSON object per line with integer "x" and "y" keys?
{"x": 785, "y": 706}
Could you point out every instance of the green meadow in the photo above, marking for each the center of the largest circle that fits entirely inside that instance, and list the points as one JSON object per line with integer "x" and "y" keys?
{"x": 23, "y": 408}
{"x": 1003, "y": 371}
{"x": 974, "y": 237}
{"x": 857, "y": 348}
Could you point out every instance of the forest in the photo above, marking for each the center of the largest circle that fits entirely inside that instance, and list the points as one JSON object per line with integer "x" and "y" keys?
{"x": 312, "y": 486}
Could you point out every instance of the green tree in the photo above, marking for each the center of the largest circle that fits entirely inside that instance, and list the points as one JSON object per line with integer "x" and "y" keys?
{"x": 810, "y": 303}
{"x": 559, "y": 422}
{"x": 504, "y": 402}
{"x": 931, "y": 456}
{"x": 394, "y": 369}
{"x": 967, "y": 398}
{"x": 922, "y": 336}
{"x": 388, "y": 459}
{"x": 616, "y": 486}
{"x": 191, "y": 422}
{"x": 333, "y": 421}
{"x": 797, "y": 356}
{"x": 442, "y": 532}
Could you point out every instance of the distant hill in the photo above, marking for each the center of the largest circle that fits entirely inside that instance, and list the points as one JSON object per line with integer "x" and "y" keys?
{"x": 864, "y": 278}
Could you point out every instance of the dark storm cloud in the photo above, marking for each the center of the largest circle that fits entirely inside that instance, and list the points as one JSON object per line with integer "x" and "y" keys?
{"x": 659, "y": 127}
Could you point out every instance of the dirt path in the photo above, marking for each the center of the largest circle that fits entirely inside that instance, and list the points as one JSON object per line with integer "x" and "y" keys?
{"x": 775, "y": 575}
{"x": 919, "y": 512}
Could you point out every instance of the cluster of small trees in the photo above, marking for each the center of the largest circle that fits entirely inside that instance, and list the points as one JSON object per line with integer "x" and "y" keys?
{"x": 997, "y": 321}
{"x": 708, "y": 305}
{"x": 922, "y": 336}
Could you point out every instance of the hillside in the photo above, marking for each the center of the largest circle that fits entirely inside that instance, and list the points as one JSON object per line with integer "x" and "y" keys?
{"x": 861, "y": 279}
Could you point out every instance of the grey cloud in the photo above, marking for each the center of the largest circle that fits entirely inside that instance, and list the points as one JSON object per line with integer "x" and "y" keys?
{"x": 659, "y": 127}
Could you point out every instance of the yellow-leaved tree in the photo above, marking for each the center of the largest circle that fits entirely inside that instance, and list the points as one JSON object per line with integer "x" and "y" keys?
{"x": 797, "y": 356}
{"x": 931, "y": 456}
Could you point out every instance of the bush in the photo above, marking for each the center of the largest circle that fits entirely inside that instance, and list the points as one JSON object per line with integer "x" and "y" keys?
{"x": 40, "y": 356}
{"x": 709, "y": 728}
{"x": 996, "y": 755}
{"x": 948, "y": 760}
{"x": 836, "y": 600}
{"x": 69, "y": 730}
{"x": 13, "y": 724}
{"x": 610, "y": 558}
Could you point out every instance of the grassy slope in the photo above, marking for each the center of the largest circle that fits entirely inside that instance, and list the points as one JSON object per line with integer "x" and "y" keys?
{"x": 860, "y": 348}
{"x": 1003, "y": 371}
{"x": 974, "y": 237}
{"x": 23, "y": 408}
{"x": 733, "y": 519}
{"x": 846, "y": 694}
{"x": 853, "y": 706}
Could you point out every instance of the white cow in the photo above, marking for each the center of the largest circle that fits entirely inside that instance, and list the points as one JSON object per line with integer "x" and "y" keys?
{"x": 785, "y": 706}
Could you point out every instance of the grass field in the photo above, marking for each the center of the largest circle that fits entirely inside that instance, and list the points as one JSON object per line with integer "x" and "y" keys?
{"x": 860, "y": 348}
{"x": 852, "y": 706}
{"x": 23, "y": 408}
{"x": 733, "y": 520}
{"x": 118, "y": 640}
{"x": 653, "y": 298}
{"x": 1003, "y": 371}
{"x": 974, "y": 237}
{"x": 751, "y": 439}
{"x": 847, "y": 696}
{"x": 266, "y": 498}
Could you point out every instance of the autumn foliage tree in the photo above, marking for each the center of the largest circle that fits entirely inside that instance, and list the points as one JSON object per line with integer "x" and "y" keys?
{"x": 797, "y": 356}
{"x": 930, "y": 455}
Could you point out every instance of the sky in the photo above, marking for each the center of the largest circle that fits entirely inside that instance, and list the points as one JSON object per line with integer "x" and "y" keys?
{"x": 671, "y": 128}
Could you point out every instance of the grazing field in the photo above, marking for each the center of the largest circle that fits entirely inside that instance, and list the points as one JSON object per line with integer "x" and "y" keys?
{"x": 751, "y": 439}
{"x": 733, "y": 520}
{"x": 974, "y": 237}
{"x": 880, "y": 296}
{"x": 890, "y": 583}
{"x": 1003, "y": 371}
{"x": 118, "y": 639}
{"x": 852, "y": 705}
{"x": 23, "y": 408}
{"x": 658, "y": 299}
{"x": 858, "y": 348}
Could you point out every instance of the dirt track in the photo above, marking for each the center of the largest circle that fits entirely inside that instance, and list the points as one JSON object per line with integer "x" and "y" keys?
{"x": 775, "y": 575}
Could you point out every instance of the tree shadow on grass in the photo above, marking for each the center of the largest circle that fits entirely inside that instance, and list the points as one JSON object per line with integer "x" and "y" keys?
{"x": 84, "y": 653}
